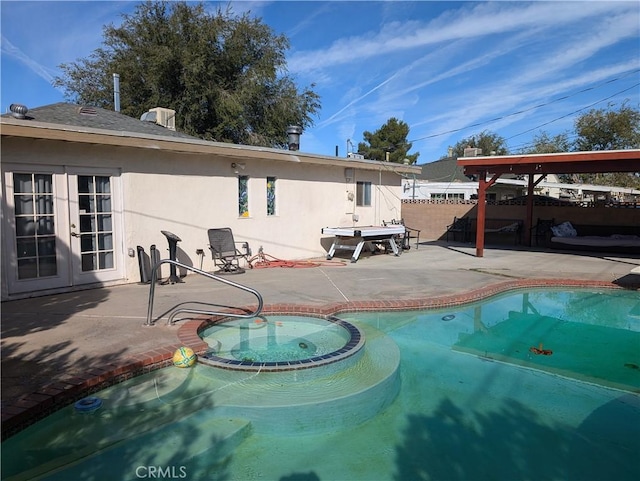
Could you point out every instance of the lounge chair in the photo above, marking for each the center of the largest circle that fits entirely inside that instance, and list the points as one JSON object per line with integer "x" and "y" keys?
{"x": 224, "y": 251}
{"x": 461, "y": 225}
{"x": 542, "y": 230}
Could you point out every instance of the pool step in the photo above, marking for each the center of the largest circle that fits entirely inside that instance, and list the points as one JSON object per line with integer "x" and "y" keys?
{"x": 171, "y": 446}
{"x": 175, "y": 415}
{"x": 353, "y": 390}
{"x": 190, "y": 438}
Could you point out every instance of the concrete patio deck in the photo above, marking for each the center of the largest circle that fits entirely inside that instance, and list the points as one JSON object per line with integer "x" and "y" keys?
{"x": 58, "y": 346}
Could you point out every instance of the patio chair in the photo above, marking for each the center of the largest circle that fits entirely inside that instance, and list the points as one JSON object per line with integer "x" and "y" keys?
{"x": 224, "y": 251}
{"x": 542, "y": 230}
{"x": 460, "y": 225}
{"x": 404, "y": 241}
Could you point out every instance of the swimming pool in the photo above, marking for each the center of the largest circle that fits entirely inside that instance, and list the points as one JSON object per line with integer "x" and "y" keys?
{"x": 441, "y": 394}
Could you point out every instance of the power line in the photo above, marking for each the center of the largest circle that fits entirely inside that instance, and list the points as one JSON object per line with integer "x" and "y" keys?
{"x": 574, "y": 112}
{"x": 520, "y": 147}
{"x": 535, "y": 107}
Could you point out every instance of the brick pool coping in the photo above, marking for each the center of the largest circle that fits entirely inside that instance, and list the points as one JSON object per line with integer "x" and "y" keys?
{"x": 32, "y": 407}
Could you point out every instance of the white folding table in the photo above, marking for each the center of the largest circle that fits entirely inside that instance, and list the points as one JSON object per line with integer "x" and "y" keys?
{"x": 365, "y": 236}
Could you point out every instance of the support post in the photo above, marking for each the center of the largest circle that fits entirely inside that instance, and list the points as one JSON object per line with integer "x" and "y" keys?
{"x": 483, "y": 185}
{"x": 529, "y": 221}
{"x": 482, "y": 197}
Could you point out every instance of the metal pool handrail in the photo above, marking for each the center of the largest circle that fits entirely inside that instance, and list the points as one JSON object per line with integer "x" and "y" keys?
{"x": 176, "y": 310}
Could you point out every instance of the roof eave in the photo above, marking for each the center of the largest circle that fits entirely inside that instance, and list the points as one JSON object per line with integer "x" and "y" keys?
{"x": 47, "y": 131}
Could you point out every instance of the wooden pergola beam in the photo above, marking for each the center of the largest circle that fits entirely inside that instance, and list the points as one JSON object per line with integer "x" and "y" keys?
{"x": 595, "y": 162}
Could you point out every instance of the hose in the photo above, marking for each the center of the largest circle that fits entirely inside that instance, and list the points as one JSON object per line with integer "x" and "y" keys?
{"x": 262, "y": 260}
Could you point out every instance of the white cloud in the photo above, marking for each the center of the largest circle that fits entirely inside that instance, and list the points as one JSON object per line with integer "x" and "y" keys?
{"x": 548, "y": 47}
{"x": 14, "y": 52}
{"x": 480, "y": 21}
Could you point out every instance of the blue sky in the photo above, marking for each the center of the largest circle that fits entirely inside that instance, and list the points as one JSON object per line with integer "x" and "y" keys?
{"x": 447, "y": 69}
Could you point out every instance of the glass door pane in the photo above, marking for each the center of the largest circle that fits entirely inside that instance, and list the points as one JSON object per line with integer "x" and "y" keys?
{"x": 35, "y": 225}
{"x": 95, "y": 225}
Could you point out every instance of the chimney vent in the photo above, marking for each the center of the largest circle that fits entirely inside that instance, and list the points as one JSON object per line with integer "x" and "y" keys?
{"x": 19, "y": 111}
{"x": 116, "y": 92}
{"x": 294, "y": 132}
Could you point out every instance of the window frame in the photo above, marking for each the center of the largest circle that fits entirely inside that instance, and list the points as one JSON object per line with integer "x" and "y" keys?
{"x": 271, "y": 196}
{"x": 363, "y": 193}
{"x": 243, "y": 191}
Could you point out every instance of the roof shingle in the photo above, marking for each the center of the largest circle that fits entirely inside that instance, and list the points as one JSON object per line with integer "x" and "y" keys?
{"x": 94, "y": 117}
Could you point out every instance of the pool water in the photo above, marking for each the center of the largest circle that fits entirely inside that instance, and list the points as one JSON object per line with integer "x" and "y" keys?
{"x": 288, "y": 349}
{"x": 276, "y": 338}
{"x": 453, "y": 394}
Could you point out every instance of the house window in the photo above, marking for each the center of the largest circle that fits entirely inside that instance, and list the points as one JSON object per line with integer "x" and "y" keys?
{"x": 271, "y": 196}
{"x": 363, "y": 193}
{"x": 455, "y": 196}
{"x": 243, "y": 196}
{"x": 35, "y": 225}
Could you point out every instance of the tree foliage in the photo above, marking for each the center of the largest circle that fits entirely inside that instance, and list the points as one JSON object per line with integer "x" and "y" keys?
{"x": 224, "y": 75}
{"x": 598, "y": 129}
{"x": 543, "y": 143}
{"x": 389, "y": 140}
{"x": 490, "y": 143}
{"x": 608, "y": 129}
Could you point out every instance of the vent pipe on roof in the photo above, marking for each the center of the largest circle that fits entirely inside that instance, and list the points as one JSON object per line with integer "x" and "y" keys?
{"x": 116, "y": 92}
{"x": 19, "y": 111}
{"x": 294, "y": 132}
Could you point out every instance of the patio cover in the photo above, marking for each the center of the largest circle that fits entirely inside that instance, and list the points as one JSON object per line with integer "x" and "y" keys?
{"x": 541, "y": 164}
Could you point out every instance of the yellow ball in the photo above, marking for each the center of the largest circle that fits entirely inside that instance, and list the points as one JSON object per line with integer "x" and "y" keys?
{"x": 184, "y": 357}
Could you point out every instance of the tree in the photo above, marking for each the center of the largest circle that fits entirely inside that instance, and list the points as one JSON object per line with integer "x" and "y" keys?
{"x": 490, "y": 143}
{"x": 608, "y": 129}
{"x": 224, "y": 75}
{"x": 389, "y": 142}
{"x": 544, "y": 144}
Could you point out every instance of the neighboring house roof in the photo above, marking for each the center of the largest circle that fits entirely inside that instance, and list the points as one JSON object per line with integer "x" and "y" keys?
{"x": 96, "y": 117}
{"x": 448, "y": 170}
{"x": 443, "y": 170}
{"x": 65, "y": 122}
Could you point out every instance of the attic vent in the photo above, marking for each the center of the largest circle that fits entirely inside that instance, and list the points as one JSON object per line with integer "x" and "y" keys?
{"x": 19, "y": 111}
{"x": 87, "y": 111}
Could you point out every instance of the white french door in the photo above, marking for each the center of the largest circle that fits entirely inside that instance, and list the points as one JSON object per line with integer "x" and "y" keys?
{"x": 63, "y": 228}
{"x": 94, "y": 214}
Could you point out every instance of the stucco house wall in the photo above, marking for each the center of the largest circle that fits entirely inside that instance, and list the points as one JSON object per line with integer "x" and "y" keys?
{"x": 189, "y": 189}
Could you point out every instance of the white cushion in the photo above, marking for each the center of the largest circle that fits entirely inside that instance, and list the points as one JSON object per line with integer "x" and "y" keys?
{"x": 564, "y": 230}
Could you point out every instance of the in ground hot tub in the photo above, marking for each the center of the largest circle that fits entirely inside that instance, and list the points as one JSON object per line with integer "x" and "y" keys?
{"x": 280, "y": 343}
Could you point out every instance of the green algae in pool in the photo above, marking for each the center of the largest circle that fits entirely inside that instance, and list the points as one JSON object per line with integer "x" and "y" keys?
{"x": 274, "y": 350}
